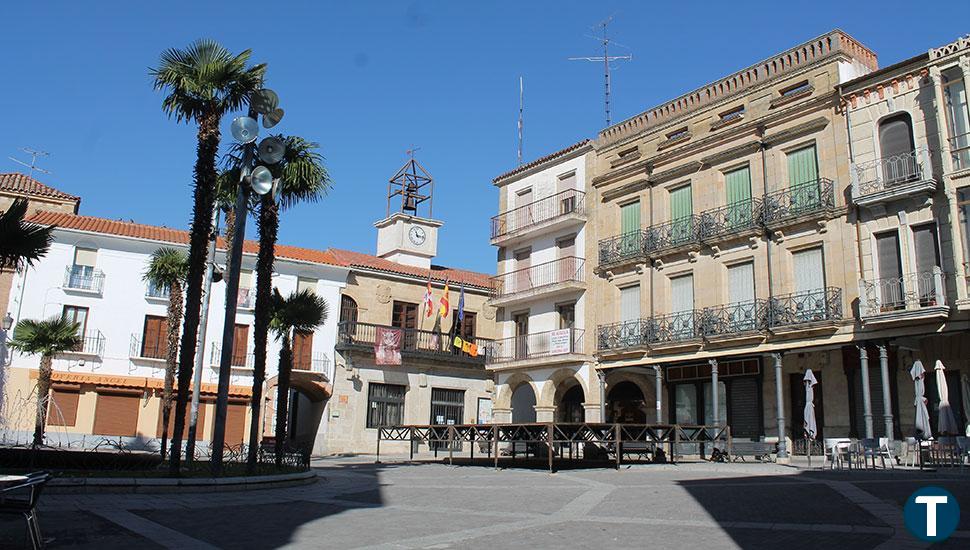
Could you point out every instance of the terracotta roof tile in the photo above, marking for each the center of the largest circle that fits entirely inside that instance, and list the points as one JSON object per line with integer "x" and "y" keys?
{"x": 538, "y": 161}
{"x": 438, "y": 273}
{"x": 168, "y": 235}
{"x": 21, "y": 184}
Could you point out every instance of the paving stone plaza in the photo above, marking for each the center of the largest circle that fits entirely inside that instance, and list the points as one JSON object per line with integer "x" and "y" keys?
{"x": 358, "y": 504}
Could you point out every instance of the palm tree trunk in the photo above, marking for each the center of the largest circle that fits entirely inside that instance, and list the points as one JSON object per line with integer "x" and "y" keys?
{"x": 268, "y": 225}
{"x": 174, "y": 324}
{"x": 43, "y": 392}
{"x": 230, "y": 231}
{"x": 205, "y": 183}
{"x": 283, "y": 397}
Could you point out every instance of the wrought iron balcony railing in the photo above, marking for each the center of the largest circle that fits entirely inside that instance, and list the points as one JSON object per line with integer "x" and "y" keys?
{"x": 91, "y": 343}
{"x": 805, "y": 199}
{"x": 882, "y": 174}
{"x": 735, "y": 318}
{"x": 570, "y": 201}
{"x": 541, "y": 344}
{"x": 674, "y": 327}
{"x": 824, "y": 304}
{"x": 562, "y": 270}
{"x": 239, "y": 360}
{"x": 960, "y": 151}
{"x": 622, "y": 248}
{"x": 152, "y": 349}
{"x": 732, "y": 219}
{"x": 622, "y": 335}
{"x": 910, "y": 292}
{"x": 82, "y": 277}
{"x": 317, "y": 362}
{"x": 423, "y": 343}
{"x": 672, "y": 234}
{"x": 158, "y": 292}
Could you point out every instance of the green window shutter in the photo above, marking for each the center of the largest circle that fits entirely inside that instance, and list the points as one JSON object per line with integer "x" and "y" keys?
{"x": 802, "y": 167}
{"x": 738, "y": 185}
{"x": 630, "y": 217}
{"x": 680, "y": 203}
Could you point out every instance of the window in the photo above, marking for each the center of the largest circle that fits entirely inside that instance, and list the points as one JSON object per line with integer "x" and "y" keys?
{"x": 677, "y": 134}
{"x": 721, "y": 404}
{"x": 567, "y": 249}
{"x": 404, "y": 315}
{"x": 521, "y": 321}
{"x": 385, "y": 405}
{"x": 154, "y": 337}
{"x": 927, "y": 250}
{"x": 896, "y": 147}
{"x": 963, "y": 206}
{"x": 630, "y": 303}
{"x": 522, "y": 279}
{"x": 803, "y": 184}
{"x": 447, "y": 406}
{"x": 82, "y": 274}
{"x": 800, "y": 88}
{"x": 681, "y": 214}
{"x": 889, "y": 285}
{"x": 685, "y": 404}
{"x": 809, "y": 271}
{"x": 630, "y": 228}
{"x": 567, "y": 315}
{"x": 682, "y": 307}
{"x": 567, "y": 193}
{"x": 154, "y": 291}
{"x": 741, "y": 283}
{"x": 737, "y": 187}
{"x": 63, "y": 407}
{"x": 79, "y": 315}
{"x": 348, "y": 310}
{"x": 957, "y": 116}
{"x": 729, "y": 116}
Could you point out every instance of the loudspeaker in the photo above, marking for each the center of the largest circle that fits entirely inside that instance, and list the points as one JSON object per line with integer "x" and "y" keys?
{"x": 261, "y": 180}
{"x": 244, "y": 129}
{"x": 270, "y": 150}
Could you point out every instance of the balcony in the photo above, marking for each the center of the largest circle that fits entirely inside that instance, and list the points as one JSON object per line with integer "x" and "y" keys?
{"x": 960, "y": 151}
{"x": 541, "y": 348}
{"x": 673, "y": 236}
{"x": 82, "y": 278}
{"x": 615, "y": 252}
{"x": 91, "y": 344}
{"x": 317, "y": 363}
{"x": 799, "y": 203}
{"x": 546, "y": 279}
{"x": 737, "y": 220}
{"x": 801, "y": 311}
{"x": 623, "y": 336}
{"x": 735, "y": 321}
{"x": 900, "y": 176}
{"x": 159, "y": 293}
{"x": 150, "y": 351}
{"x": 659, "y": 332}
{"x": 418, "y": 344}
{"x": 912, "y": 297}
{"x": 239, "y": 360}
{"x": 545, "y": 213}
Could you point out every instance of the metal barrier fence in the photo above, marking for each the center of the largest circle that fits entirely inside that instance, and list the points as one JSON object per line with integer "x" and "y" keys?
{"x": 611, "y": 441}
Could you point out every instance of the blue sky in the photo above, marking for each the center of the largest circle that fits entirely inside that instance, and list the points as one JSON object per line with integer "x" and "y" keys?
{"x": 367, "y": 80}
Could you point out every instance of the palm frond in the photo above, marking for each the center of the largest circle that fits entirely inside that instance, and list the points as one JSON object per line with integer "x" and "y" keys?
{"x": 22, "y": 243}
{"x": 302, "y": 174}
{"x": 47, "y": 337}
{"x": 167, "y": 267}
{"x": 302, "y": 311}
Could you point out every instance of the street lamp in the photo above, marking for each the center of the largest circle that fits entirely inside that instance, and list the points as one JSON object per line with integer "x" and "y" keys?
{"x": 7, "y": 322}
{"x": 256, "y": 179}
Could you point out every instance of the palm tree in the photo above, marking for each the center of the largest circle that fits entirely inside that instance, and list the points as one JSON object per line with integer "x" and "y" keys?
{"x": 48, "y": 338}
{"x": 203, "y": 82}
{"x": 301, "y": 311}
{"x": 302, "y": 178}
{"x": 22, "y": 243}
{"x": 166, "y": 269}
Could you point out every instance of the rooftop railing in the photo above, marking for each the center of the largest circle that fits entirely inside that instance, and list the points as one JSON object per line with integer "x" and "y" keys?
{"x": 81, "y": 277}
{"x": 562, "y": 270}
{"x": 521, "y": 218}
{"x": 798, "y": 308}
{"x": 884, "y": 173}
{"x": 540, "y": 344}
{"x": 421, "y": 343}
{"x": 909, "y": 292}
{"x": 732, "y": 219}
{"x": 804, "y": 199}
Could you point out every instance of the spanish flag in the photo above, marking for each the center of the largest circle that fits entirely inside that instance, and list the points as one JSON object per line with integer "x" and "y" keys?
{"x": 445, "y": 306}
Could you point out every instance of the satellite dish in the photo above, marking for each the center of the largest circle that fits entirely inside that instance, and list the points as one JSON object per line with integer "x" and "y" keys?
{"x": 244, "y": 129}
{"x": 264, "y": 101}
{"x": 261, "y": 180}
{"x": 271, "y": 150}
{"x": 277, "y": 188}
{"x": 272, "y": 118}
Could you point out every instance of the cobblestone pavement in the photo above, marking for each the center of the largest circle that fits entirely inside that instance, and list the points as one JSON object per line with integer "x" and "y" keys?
{"x": 358, "y": 504}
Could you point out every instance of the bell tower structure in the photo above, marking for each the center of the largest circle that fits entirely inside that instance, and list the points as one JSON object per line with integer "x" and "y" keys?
{"x": 405, "y": 236}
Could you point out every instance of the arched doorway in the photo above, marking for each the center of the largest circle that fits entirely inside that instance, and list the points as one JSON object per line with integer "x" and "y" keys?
{"x": 523, "y": 404}
{"x": 625, "y": 403}
{"x": 896, "y": 147}
{"x": 570, "y": 407}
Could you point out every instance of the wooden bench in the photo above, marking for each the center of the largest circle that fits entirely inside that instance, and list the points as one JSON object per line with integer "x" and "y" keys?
{"x": 759, "y": 450}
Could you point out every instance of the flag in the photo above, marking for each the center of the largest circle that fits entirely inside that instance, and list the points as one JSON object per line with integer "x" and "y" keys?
{"x": 428, "y": 301}
{"x": 444, "y": 302}
{"x": 436, "y": 333}
{"x": 461, "y": 303}
{"x": 458, "y": 342}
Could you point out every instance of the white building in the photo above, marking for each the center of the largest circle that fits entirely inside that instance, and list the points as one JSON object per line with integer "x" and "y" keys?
{"x": 543, "y": 360}
{"x": 111, "y": 386}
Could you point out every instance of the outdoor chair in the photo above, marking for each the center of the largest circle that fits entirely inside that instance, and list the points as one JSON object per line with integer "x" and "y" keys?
{"x": 21, "y": 500}
{"x": 963, "y": 445}
{"x": 871, "y": 449}
{"x": 839, "y": 452}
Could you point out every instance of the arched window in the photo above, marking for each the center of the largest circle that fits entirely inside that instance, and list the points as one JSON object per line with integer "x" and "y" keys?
{"x": 348, "y": 309}
{"x": 896, "y": 148}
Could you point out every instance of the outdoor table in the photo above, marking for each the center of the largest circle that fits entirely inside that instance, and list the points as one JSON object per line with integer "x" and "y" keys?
{"x": 8, "y": 480}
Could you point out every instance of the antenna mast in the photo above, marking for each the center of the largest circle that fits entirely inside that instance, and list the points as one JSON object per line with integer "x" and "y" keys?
{"x": 521, "y": 105}
{"x": 33, "y": 160}
{"x": 606, "y": 58}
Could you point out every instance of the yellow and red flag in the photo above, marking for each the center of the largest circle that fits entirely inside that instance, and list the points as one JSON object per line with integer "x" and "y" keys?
{"x": 445, "y": 306}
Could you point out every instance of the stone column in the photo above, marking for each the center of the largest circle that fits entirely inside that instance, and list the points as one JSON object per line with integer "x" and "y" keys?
{"x": 887, "y": 407}
{"x": 601, "y": 375}
{"x": 545, "y": 413}
{"x": 866, "y": 396}
{"x": 780, "y": 403}
{"x": 591, "y": 412}
{"x": 659, "y": 392}
{"x": 714, "y": 393}
{"x": 501, "y": 415}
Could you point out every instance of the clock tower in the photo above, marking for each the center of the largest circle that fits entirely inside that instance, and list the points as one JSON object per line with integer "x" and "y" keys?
{"x": 404, "y": 236}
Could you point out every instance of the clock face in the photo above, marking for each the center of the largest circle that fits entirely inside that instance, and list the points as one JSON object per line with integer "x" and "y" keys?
{"x": 417, "y": 235}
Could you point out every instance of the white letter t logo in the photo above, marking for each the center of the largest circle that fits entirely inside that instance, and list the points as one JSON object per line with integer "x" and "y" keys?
{"x": 931, "y": 502}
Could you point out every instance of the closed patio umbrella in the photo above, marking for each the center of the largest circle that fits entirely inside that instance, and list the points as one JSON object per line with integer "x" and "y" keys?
{"x": 811, "y": 427}
{"x": 965, "y": 382}
{"x": 947, "y": 423}
{"x": 923, "y": 430}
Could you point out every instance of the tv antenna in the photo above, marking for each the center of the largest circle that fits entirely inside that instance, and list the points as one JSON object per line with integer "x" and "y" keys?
{"x": 521, "y": 128}
{"x": 606, "y": 59}
{"x": 33, "y": 160}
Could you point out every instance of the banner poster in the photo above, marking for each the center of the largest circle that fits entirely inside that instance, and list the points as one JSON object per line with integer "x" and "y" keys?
{"x": 387, "y": 346}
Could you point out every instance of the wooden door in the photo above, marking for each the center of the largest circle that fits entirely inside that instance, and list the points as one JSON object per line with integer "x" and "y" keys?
{"x": 154, "y": 341}
{"x": 235, "y": 423}
{"x": 302, "y": 350}
{"x": 240, "y": 340}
